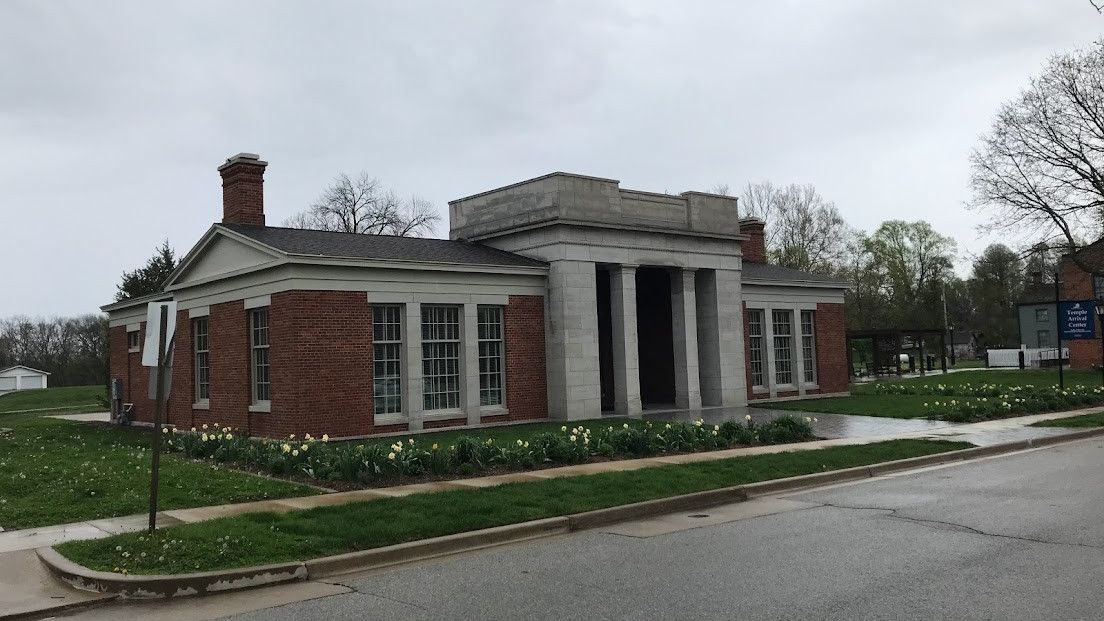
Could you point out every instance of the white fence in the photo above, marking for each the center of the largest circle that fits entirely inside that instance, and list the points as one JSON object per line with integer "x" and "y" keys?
{"x": 1032, "y": 357}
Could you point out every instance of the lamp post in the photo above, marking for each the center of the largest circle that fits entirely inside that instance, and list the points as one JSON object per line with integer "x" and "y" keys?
{"x": 1100, "y": 313}
{"x": 951, "y": 328}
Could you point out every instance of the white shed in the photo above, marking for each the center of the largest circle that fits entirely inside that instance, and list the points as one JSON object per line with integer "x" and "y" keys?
{"x": 20, "y": 377}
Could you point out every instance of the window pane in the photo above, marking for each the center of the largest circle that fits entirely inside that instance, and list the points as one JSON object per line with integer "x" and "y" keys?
{"x": 202, "y": 359}
{"x": 490, "y": 355}
{"x": 782, "y": 322}
{"x": 387, "y": 364}
{"x": 755, "y": 346}
{"x": 808, "y": 347}
{"x": 440, "y": 357}
{"x": 258, "y": 324}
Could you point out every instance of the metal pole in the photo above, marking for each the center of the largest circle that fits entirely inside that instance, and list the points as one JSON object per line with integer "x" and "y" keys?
{"x": 155, "y": 471}
{"x": 1058, "y": 325}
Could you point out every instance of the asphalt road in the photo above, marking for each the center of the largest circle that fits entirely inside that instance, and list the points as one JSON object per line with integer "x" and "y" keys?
{"x": 1014, "y": 537}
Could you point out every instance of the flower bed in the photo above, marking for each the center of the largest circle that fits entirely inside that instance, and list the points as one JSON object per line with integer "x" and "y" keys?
{"x": 373, "y": 462}
{"x": 977, "y": 402}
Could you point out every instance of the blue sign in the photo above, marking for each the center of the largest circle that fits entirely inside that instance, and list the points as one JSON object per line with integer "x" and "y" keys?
{"x": 1077, "y": 320}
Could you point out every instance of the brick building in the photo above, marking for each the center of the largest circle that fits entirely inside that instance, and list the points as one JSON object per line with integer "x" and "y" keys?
{"x": 560, "y": 297}
{"x": 1076, "y": 283}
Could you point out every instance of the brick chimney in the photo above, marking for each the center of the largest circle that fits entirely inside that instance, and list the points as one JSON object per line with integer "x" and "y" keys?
{"x": 243, "y": 189}
{"x": 755, "y": 248}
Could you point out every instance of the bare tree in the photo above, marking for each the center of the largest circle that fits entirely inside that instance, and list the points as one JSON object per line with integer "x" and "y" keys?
{"x": 804, "y": 231}
{"x": 363, "y": 205}
{"x": 1041, "y": 166}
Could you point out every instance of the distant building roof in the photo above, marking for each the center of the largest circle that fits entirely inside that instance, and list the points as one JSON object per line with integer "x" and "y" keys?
{"x": 304, "y": 242}
{"x": 24, "y": 367}
{"x": 777, "y": 274}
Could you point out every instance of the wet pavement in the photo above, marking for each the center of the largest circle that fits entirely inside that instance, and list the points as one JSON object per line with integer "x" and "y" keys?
{"x": 840, "y": 426}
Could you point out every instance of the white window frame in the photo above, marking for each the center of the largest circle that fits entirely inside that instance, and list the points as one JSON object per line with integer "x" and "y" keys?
{"x": 1042, "y": 314}
{"x": 260, "y": 388}
{"x": 788, "y": 348}
{"x": 388, "y": 335}
{"x": 808, "y": 348}
{"x": 491, "y": 344}
{"x": 442, "y": 357}
{"x": 756, "y": 346}
{"x": 201, "y": 359}
{"x": 134, "y": 344}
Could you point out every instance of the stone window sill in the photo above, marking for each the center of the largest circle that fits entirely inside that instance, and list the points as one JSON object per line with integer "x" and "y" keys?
{"x": 201, "y": 405}
{"x": 262, "y": 406}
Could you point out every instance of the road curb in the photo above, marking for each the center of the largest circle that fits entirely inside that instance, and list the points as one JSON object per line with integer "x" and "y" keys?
{"x": 180, "y": 585}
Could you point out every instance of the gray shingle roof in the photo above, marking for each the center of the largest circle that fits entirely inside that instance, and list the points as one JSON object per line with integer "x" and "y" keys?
{"x": 383, "y": 247}
{"x": 777, "y": 273}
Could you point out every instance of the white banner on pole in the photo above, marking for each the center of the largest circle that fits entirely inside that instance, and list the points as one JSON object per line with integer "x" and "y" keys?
{"x": 153, "y": 331}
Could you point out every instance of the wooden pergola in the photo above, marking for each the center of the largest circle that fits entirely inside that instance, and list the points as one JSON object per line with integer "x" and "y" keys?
{"x": 887, "y": 343}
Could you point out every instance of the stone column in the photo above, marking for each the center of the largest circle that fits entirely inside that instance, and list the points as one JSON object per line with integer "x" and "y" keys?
{"x": 684, "y": 324}
{"x": 413, "y": 325}
{"x": 730, "y": 334}
{"x": 574, "y": 379}
{"x": 626, "y": 350}
{"x": 470, "y": 356}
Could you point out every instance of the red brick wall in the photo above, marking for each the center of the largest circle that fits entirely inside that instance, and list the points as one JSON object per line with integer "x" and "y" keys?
{"x": 128, "y": 367}
{"x": 831, "y": 348}
{"x": 754, "y": 249}
{"x": 243, "y": 193}
{"x": 1078, "y": 285}
{"x": 229, "y": 390}
{"x": 183, "y": 384}
{"x": 321, "y": 364}
{"x": 526, "y": 377}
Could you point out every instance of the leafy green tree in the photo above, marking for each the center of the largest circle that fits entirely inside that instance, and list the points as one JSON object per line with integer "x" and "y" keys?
{"x": 910, "y": 261}
{"x": 149, "y": 278}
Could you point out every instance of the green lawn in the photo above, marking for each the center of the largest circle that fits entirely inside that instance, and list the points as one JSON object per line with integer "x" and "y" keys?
{"x": 54, "y": 472}
{"x": 68, "y": 398}
{"x": 864, "y": 401}
{"x": 262, "y": 538}
{"x": 1086, "y": 420}
{"x": 968, "y": 363}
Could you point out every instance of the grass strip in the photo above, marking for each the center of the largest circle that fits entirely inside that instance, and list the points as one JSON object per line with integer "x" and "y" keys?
{"x": 73, "y": 398}
{"x": 55, "y": 472}
{"x": 263, "y": 538}
{"x": 1083, "y": 421}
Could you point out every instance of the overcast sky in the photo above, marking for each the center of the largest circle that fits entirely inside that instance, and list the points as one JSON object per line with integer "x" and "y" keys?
{"x": 114, "y": 115}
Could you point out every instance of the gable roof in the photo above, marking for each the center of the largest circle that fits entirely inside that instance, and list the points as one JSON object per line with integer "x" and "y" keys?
{"x": 22, "y": 366}
{"x": 766, "y": 273}
{"x": 329, "y": 244}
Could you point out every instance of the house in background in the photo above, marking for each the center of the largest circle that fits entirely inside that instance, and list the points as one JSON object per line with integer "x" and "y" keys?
{"x": 20, "y": 377}
{"x": 564, "y": 297}
{"x": 1037, "y": 314}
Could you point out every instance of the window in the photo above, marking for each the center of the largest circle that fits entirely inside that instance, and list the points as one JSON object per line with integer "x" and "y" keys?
{"x": 1041, "y": 315}
{"x": 490, "y": 355}
{"x": 387, "y": 365}
{"x": 258, "y": 341}
{"x": 755, "y": 346}
{"x": 440, "y": 357}
{"x": 782, "y": 322}
{"x": 1098, "y": 287}
{"x": 134, "y": 341}
{"x": 1043, "y": 337}
{"x": 808, "y": 347}
{"x": 201, "y": 344}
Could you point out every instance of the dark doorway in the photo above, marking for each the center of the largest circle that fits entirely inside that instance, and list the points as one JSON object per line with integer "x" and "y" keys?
{"x": 605, "y": 338}
{"x": 654, "y": 333}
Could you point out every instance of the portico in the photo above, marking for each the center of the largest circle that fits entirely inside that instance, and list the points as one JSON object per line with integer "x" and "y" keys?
{"x": 625, "y": 317}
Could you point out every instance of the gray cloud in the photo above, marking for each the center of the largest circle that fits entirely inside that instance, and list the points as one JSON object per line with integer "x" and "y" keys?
{"x": 114, "y": 115}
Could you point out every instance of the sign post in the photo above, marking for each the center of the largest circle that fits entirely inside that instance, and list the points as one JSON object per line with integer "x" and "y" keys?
{"x": 158, "y": 351}
{"x": 1076, "y": 321}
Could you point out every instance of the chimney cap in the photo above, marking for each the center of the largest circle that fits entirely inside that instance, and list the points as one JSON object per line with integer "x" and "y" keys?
{"x": 243, "y": 158}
